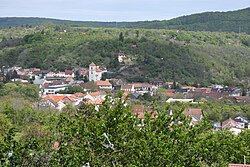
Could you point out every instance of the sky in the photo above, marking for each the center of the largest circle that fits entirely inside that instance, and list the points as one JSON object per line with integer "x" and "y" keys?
{"x": 115, "y": 10}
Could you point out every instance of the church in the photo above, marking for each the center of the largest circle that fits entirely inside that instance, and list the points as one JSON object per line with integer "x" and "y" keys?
{"x": 95, "y": 73}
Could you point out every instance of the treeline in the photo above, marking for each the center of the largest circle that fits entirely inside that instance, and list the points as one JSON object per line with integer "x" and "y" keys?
{"x": 232, "y": 21}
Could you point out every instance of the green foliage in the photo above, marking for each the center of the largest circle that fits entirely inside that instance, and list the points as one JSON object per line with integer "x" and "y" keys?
{"x": 27, "y": 91}
{"x": 71, "y": 90}
{"x": 113, "y": 136}
{"x": 184, "y": 56}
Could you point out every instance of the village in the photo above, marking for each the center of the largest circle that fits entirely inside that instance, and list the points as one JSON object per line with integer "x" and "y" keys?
{"x": 58, "y": 89}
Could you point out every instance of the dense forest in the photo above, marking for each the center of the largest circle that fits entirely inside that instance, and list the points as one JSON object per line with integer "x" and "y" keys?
{"x": 232, "y": 21}
{"x": 185, "y": 56}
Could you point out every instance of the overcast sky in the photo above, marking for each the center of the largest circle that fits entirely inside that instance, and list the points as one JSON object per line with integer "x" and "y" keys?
{"x": 115, "y": 10}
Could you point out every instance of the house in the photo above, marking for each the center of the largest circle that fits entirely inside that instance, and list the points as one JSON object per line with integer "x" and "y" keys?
{"x": 202, "y": 90}
{"x": 140, "y": 110}
{"x": 95, "y": 73}
{"x": 158, "y": 83}
{"x": 232, "y": 91}
{"x": 242, "y": 122}
{"x": 104, "y": 85}
{"x": 232, "y": 125}
{"x": 59, "y": 101}
{"x": 53, "y": 87}
{"x": 128, "y": 88}
{"x": 65, "y": 74}
{"x": 170, "y": 100}
{"x": 195, "y": 113}
{"x": 140, "y": 88}
{"x": 95, "y": 98}
{"x": 55, "y": 101}
{"x": 121, "y": 57}
{"x": 169, "y": 85}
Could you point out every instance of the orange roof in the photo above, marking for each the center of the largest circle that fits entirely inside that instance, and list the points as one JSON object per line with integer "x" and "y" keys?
{"x": 96, "y": 102}
{"x": 69, "y": 79}
{"x": 79, "y": 94}
{"x": 95, "y": 94}
{"x": 92, "y": 64}
{"x": 141, "y": 85}
{"x": 55, "y": 98}
{"x": 169, "y": 83}
{"x": 206, "y": 90}
{"x": 73, "y": 96}
{"x": 103, "y": 83}
{"x": 124, "y": 95}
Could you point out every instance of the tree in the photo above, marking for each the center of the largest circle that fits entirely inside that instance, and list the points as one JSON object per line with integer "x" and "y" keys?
{"x": 104, "y": 76}
{"x": 137, "y": 33}
{"x": 121, "y": 37}
{"x": 85, "y": 78}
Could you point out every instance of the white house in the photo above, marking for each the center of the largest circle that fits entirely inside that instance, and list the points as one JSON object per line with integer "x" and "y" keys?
{"x": 53, "y": 89}
{"x": 104, "y": 85}
{"x": 65, "y": 74}
{"x": 121, "y": 57}
{"x": 195, "y": 113}
{"x": 95, "y": 73}
{"x": 180, "y": 100}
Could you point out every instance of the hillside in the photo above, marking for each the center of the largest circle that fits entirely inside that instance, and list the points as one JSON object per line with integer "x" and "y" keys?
{"x": 185, "y": 56}
{"x": 232, "y": 21}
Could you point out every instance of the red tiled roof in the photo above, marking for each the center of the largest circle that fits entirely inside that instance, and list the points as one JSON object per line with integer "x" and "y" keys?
{"x": 141, "y": 85}
{"x": 95, "y": 94}
{"x": 103, "y": 83}
{"x": 205, "y": 90}
{"x": 229, "y": 123}
{"x": 79, "y": 94}
{"x": 169, "y": 83}
{"x": 193, "y": 112}
{"x": 55, "y": 98}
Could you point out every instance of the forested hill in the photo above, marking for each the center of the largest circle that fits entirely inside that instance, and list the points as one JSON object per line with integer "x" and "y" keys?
{"x": 232, "y": 21}
{"x": 185, "y": 56}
